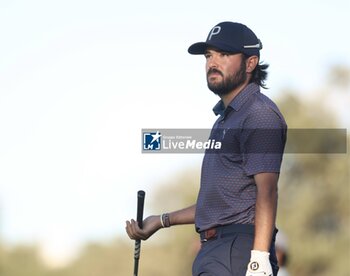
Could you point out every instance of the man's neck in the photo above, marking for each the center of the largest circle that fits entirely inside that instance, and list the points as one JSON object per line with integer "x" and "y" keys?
{"x": 226, "y": 99}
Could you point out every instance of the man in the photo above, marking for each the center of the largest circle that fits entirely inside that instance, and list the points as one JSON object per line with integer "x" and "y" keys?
{"x": 237, "y": 202}
{"x": 282, "y": 253}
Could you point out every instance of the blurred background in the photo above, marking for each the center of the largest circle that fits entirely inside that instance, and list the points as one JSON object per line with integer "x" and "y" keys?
{"x": 80, "y": 79}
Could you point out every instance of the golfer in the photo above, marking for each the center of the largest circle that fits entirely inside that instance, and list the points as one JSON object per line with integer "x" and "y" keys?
{"x": 236, "y": 207}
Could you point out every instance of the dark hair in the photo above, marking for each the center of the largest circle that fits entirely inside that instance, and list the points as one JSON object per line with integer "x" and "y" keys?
{"x": 259, "y": 74}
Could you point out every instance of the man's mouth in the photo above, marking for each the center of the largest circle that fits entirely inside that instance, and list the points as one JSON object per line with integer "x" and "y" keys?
{"x": 212, "y": 73}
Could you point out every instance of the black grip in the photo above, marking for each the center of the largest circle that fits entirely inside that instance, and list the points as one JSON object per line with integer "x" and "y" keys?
{"x": 140, "y": 203}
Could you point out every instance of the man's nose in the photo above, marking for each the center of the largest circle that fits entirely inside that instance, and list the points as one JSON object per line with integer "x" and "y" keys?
{"x": 213, "y": 62}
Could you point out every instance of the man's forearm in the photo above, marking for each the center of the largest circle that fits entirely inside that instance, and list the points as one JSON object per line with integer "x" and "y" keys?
{"x": 265, "y": 212}
{"x": 183, "y": 216}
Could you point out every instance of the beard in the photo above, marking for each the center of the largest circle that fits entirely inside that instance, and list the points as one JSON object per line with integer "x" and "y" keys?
{"x": 228, "y": 83}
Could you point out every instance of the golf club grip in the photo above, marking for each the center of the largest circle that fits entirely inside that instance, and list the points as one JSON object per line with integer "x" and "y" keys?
{"x": 140, "y": 204}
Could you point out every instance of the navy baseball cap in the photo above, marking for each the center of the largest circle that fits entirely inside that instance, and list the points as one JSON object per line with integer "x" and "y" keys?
{"x": 229, "y": 37}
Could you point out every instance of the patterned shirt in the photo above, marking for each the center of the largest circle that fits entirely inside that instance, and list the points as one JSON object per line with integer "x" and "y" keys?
{"x": 252, "y": 132}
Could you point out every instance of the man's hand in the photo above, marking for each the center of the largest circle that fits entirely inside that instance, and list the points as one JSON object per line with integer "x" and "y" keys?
{"x": 150, "y": 225}
{"x": 259, "y": 264}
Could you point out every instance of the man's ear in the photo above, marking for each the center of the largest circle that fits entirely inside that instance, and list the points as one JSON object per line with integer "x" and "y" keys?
{"x": 251, "y": 63}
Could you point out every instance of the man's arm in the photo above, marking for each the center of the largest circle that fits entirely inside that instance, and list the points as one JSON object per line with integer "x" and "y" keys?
{"x": 265, "y": 210}
{"x": 152, "y": 223}
{"x": 265, "y": 216}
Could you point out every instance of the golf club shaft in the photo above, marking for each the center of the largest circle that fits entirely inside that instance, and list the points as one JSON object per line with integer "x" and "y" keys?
{"x": 140, "y": 204}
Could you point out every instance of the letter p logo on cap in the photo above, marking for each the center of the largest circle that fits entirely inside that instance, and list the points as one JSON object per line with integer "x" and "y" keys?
{"x": 216, "y": 30}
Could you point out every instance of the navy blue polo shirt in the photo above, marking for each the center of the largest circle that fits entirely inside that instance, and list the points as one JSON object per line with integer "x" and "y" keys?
{"x": 252, "y": 132}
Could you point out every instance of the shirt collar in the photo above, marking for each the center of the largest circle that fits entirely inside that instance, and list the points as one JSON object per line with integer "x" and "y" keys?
{"x": 238, "y": 101}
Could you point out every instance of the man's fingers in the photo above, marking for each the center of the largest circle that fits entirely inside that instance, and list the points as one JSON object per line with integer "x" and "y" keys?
{"x": 134, "y": 227}
{"x": 133, "y": 230}
{"x": 128, "y": 230}
{"x": 150, "y": 226}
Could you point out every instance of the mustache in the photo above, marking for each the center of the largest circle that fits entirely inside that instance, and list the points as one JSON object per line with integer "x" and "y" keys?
{"x": 213, "y": 70}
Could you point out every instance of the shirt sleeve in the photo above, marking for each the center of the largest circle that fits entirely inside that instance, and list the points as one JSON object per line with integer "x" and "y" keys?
{"x": 263, "y": 140}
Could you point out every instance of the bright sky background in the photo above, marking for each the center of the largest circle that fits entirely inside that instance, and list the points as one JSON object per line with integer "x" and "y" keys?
{"x": 80, "y": 79}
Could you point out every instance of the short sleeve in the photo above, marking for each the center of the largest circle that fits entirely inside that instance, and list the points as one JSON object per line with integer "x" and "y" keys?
{"x": 263, "y": 141}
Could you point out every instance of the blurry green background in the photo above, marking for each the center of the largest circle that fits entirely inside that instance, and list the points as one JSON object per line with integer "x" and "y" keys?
{"x": 78, "y": 82}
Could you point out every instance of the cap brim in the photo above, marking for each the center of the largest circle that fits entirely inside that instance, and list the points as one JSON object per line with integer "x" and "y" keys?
{"x": 200, "y": 48}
